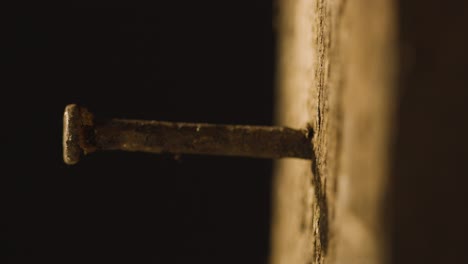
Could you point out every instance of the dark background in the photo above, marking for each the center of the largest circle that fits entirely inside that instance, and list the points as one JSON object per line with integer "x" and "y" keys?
{"x": 177, "y": 61}
{"x": 431, "y": 147}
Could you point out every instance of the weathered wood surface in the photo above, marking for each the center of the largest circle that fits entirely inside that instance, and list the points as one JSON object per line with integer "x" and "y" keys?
{"x": 384, "y": 85}
{"x": 336, "y": 73}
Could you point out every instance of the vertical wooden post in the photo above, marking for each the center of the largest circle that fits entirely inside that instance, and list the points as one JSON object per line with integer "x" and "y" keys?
{"x": 384, "y": 84}
{"x": 337, "y": 74}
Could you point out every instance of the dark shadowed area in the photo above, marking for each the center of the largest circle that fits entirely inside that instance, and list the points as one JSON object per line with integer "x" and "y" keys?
{"x": 178, "y": 61}
{"x": 431, "y": 137}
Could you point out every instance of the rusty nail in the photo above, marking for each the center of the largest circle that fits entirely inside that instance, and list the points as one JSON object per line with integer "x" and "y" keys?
{"x": 82, "y": 134}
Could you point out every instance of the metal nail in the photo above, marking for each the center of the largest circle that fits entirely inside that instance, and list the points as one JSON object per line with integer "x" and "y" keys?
{"x": 83, "y": 134}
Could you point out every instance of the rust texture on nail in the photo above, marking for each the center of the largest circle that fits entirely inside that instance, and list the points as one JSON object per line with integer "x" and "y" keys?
{"x": 83, "y": 135}
{"x": 181, "y": 138}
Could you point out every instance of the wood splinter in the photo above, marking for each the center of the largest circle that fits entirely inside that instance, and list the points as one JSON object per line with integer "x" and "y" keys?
{"x": 82, "y": 134}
